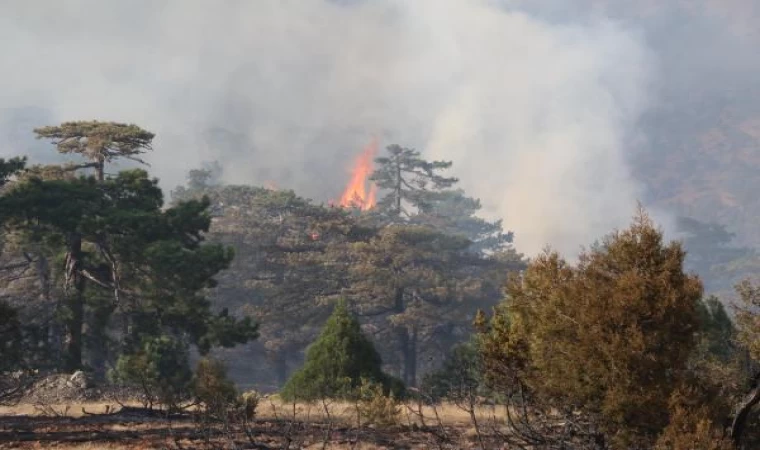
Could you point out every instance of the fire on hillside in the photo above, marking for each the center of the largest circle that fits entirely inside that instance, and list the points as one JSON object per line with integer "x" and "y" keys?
{"x": 360, "y": 192}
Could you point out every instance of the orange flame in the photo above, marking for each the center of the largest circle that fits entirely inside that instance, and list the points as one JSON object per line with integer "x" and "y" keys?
{"x": 356, "y": 195}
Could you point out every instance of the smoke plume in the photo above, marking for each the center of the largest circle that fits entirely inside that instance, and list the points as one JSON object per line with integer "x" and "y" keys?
{"x": 537, "y": 106}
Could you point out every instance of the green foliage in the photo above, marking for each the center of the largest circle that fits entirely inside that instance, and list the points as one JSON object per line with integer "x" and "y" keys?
{"x": 114, "y": 238}
{"x": 199, "y": 182}
{"x": 453, "y": 213}
{"x": 460, "y": 377}
{"x": 131, "y": 247}
{"x": 408, "y": 180}
{"x": 293, "y": 259}
{"x": 376, "y": 406}
{"x": 160, "y": 368}
{"x": 718, "y": 333}
{"x": 99, "y": 142}
{"x": 337, "y": 361}
{"x": 11, "y": 348}
{"x": 417, "y": 193}
{"x": 420, "y": 286}
{"x": 290, "y": 263}
{"x": 611, "y": 337}
{"x": 9, "y": 168}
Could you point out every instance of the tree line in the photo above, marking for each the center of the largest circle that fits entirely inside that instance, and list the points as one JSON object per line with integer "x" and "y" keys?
{"x": 621, "y": 349}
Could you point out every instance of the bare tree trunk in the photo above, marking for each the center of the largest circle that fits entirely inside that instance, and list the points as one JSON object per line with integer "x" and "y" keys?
{"x": 100, "y": 168}
{"x": 397, "y": 187}
{"x": 74, "y": 325}
{"x": 75, "y": 284}
{"x": 743, "y": 410}
{"x": 411, "y": 359}
{"x": 402, "y": 335}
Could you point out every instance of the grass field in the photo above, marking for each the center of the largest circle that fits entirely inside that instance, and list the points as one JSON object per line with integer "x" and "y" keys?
{"x": 278, "y": 425}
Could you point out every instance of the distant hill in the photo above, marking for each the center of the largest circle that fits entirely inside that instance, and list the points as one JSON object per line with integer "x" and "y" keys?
{"x": 704, "y": 161}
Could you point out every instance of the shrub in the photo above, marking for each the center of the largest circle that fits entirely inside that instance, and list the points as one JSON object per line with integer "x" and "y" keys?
{"x": 337, "y": 361}
{"x": 375, "y": 407}
{"x": 249, "y": 402}
{"x": 212, "y": 388}
{"x": 610, "y": 337}
{"x": 160, "y": 368}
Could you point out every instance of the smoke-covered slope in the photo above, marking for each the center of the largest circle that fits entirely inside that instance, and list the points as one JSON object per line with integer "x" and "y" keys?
{"x": 558, "y": 115}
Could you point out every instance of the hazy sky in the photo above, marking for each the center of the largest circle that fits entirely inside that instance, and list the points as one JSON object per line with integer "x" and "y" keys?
{"x": 538, "y": 104}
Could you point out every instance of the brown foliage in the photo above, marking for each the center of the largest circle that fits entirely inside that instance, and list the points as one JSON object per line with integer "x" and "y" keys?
{"x": 692, "y": 425}
{"x": 609, "y": 337}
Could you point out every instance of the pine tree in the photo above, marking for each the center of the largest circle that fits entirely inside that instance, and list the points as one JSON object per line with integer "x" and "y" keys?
{"x": 9, "y": 168}
{"x": 420, "y": 288}
{"x": 409, "y": 181}
{"x": 718, "y": 332}
{"x": 290, "y": 262}
{"x": 117, "y": 239}
{"x": 338, "y": 362}
{"x": 415, "y": 192}
{"x": 100, "y": 142}
{"x": 452, "y": 212}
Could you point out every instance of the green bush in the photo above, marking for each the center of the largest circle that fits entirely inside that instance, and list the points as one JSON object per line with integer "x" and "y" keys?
{"x": 337, "y": 361}
{"x": 160, "y": 368}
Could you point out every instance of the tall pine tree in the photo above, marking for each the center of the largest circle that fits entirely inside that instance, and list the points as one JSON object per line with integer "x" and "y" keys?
{"x": 408, "y": 181}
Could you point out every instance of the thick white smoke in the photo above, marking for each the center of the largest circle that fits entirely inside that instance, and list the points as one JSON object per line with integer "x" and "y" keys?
{"x": 536, "y": 116}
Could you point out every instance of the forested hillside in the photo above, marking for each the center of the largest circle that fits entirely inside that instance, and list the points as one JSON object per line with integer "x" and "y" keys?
{"x": 413, "y": 224}
{"x": 398, "y": 291}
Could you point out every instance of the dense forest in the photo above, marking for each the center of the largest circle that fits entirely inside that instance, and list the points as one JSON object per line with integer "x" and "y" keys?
{"x": 398, "y": 291}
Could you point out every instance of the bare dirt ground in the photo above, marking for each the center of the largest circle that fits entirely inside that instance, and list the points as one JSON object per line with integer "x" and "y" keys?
{"x": 109, "y": 426}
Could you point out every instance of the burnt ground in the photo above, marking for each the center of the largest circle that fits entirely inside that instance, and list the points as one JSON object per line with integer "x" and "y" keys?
{"x": 132, "y": 428}
{"x": 70, "y": 412}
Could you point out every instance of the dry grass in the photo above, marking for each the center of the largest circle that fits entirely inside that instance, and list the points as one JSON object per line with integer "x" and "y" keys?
{"x": 272, "y": 409}
{"x": 449, "y": 414}
{"x": 85, "y": 429}
{"x": 75, "y": 410}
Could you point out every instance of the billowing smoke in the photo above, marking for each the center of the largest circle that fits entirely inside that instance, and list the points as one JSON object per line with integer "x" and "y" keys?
{"x": 537, "y": 106}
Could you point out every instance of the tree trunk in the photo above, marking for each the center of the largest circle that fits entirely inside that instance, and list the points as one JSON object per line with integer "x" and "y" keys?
{"x": 100, "y": 169}
{"x": 398, "y": 187}
{"x": 49, "y": 335}
{"x": 743, "y": 410}
{"x": 75, "y": 284}
{"x": 407, "y": 341}
{"x": 410, "y": 360}
{"x": 98, "y": 349}
{"x": 74, "y": 324}
{"x": 402, "y": 335}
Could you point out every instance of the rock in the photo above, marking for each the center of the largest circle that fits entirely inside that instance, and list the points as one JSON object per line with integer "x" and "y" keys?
{"x": 79, "y": 380}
